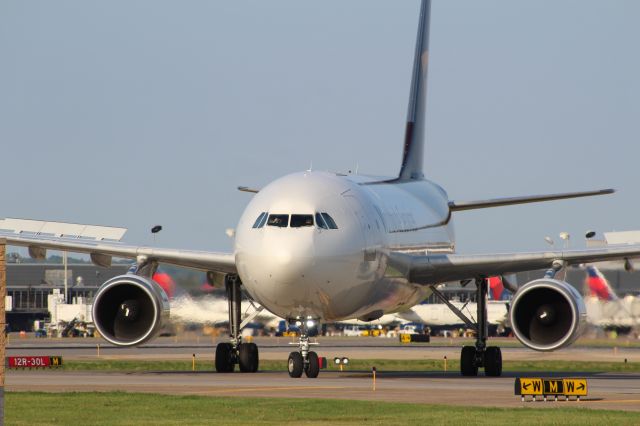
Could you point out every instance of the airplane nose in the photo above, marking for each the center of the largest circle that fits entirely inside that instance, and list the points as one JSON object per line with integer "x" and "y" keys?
{"x": 288, "y": 266}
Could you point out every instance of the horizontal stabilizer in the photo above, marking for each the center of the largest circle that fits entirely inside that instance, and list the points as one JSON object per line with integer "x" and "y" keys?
{"x": 247, "y": 189}
{"x": 455, "y": 206}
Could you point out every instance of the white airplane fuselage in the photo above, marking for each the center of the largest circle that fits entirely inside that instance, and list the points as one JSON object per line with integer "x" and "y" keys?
{"x": 333, "y": 274}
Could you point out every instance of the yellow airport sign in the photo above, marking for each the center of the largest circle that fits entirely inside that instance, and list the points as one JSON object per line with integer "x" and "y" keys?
{"x": 550, "y": 387}
{"x": 405, "y": 338}
{"x": 575, "y": 387}
{"x": 528, "y": 386}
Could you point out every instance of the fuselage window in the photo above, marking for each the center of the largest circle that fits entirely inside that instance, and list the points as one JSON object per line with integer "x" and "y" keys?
{"x": 259, "y": 223}
{"x": 320, "y": 222}
{"x": 329, "y": 220}
{"x": 300, "y": 220}
{"x": 279, "y": 220}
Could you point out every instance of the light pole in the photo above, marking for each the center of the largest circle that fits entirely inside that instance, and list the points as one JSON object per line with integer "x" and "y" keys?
{"x": 154, "y": 231}
{"x": 565, "y": 237}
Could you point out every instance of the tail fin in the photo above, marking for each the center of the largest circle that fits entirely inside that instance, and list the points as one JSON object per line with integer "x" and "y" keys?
{"x": 412, "y": 158}
{"x": 598, "y": 285}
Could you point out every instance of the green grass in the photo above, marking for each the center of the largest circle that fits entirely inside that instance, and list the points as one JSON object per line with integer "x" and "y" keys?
{"x": 117, "y": 408}
{"x": 358, "y": 365}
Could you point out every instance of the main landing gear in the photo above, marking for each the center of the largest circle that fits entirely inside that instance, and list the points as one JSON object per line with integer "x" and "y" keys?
{"x": 474, "y": 357}
{"x": 304, "y": 360}
{"x": 235, "y": 352}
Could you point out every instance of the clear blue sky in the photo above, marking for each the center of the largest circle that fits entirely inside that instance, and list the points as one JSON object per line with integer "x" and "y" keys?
{"x": 134, "y": 113}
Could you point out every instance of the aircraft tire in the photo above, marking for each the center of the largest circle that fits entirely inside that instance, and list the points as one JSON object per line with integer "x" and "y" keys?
{"x": 493, "y": 361}
{"x": 224, "y": 358}
{"x": 468, "y": 365}
{"x": 248, "y": 357}
{"x": 313, "y": 368}
{"x": 295, "y": 364}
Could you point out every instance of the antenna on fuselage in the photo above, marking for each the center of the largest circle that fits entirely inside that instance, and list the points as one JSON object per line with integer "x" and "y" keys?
{"x": 413, "y": 154}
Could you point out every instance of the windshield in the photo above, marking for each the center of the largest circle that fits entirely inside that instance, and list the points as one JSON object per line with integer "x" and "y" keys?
{"x": 279, "y": 220}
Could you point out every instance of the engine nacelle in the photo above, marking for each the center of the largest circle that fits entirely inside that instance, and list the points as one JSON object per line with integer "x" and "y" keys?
{"x": 130, "y": 309}
{"x": 547, "y": 314}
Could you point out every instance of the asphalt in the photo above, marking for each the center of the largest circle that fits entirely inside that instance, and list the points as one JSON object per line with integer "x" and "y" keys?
{"x": 606, "y": 390}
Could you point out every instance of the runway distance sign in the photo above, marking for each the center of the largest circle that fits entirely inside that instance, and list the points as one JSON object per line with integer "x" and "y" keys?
{"x": 539, "y": 386}
{"x": 34, "y": 361}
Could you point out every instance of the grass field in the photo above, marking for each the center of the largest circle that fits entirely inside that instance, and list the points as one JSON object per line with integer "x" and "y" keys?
{"x": 116, "y": 408}
{"x": 360, "y": 365}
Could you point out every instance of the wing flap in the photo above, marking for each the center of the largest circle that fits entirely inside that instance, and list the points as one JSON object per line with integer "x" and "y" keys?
{"x": 439, "y": 268}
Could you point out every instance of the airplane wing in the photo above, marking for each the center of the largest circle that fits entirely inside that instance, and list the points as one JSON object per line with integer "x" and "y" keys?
{"x": 439, "y": 268}
{"x": 102, "y": 243}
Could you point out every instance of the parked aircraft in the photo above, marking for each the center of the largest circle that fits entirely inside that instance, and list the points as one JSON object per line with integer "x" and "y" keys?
{"x": 605, "y": 309}
{"x": 439, "y": 316}
{"x": 322, "y": 247}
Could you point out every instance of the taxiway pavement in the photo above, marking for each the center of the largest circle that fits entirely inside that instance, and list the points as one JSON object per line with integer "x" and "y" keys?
{"x": 607, "y": 390}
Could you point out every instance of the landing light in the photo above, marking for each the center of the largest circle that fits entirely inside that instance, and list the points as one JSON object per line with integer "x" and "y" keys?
{"x": 310, "y": 323}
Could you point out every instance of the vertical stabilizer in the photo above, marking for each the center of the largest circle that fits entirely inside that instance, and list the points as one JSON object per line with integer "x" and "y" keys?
{"x": 412, "y": 157}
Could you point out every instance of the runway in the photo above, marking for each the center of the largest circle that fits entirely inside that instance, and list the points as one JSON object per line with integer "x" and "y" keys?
{"x": 606, "y": 390}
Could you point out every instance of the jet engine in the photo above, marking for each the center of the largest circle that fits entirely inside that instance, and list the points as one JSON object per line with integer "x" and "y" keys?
{"x": 130, "y": 309}
{"x": 547, "y": 314}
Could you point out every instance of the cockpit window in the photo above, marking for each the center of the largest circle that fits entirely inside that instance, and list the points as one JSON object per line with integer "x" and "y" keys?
{"x": 329, "y": 220}
{"x": 279, "y": 220}
{"x": 320, "y": 221}
{"x": 259, "y": 223}
{"x": 300, "y": 220}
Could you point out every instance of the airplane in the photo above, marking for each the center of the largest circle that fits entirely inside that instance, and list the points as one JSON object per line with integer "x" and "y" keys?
{"x": 604, "y": 308}
{"x": 439, "y": 316}
{"x": 316, "y": 246}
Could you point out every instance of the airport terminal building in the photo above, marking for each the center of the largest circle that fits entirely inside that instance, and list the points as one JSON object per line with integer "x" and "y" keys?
{"x": 30, "y": 284}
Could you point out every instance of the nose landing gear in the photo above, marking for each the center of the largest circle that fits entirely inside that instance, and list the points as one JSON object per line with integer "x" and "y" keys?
{"x": 304, "y": 360}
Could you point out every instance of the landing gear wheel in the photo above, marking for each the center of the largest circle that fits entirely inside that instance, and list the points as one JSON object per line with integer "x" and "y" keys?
{"x": 313, "y": 367}
{"x": 493, "y": 361}
{"x": 468, "y": 365}
{"x": 248, "y": 357}
{"x": 295, "y": 365}
{"x": 224, "y": 358}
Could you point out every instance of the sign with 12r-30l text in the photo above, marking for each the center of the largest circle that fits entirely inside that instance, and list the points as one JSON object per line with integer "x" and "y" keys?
{"x": 34, "y": 361}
